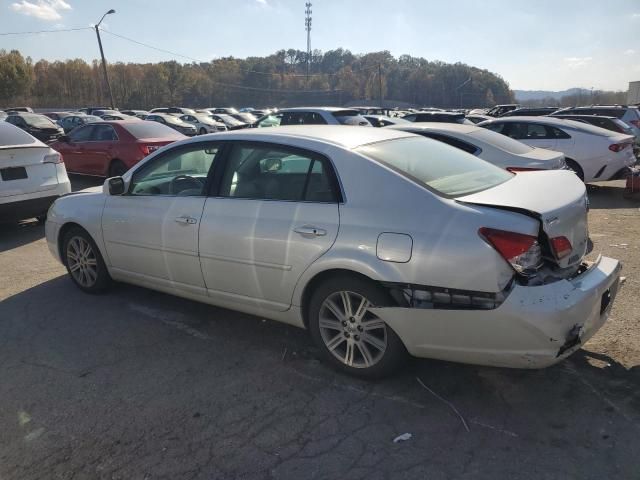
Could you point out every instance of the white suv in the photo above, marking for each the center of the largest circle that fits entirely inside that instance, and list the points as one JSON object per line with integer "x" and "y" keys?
{"x": 32, "y": 175}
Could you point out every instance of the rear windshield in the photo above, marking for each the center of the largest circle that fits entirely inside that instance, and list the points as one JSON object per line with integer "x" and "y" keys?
{"x": 501, "y": 141}
{"x": 151, "y": 130}
{"x": 446, "y": 170}
{"x": 11, "y": 135}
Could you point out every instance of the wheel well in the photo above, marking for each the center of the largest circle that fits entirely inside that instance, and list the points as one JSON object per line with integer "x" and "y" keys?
{"x": 63, "y": 231}
{"x": 320, "y": 278}
{"x": 574, "y": 164}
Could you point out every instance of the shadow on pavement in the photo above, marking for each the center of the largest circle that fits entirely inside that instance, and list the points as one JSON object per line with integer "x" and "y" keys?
{"x": 80, "y": 182}
{"x": 14, "y": 235}
{"x": 165, "y": 377}
{"x": 608, "y": 195}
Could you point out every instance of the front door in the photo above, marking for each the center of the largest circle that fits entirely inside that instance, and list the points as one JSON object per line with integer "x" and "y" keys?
{"x": 151, "y": 232}
{"x": 74, "y": 151}
{"x": 275, "y": 213}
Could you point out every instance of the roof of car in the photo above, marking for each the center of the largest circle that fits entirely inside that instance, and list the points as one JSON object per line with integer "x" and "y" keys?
{"x": 542, "y": 119}
{"x": 345, "y": 136}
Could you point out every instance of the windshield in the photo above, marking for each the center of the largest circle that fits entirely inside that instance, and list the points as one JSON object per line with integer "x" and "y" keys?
{"x": 92, "y": 118}
{"x": 39, "y": 121}
{"x": 500, "y": 141}
{"x": 228, "y": 119}
{"x": 350, "y": 117}
{"x": 435, "y": 165}
{"x": 151, "y": 130}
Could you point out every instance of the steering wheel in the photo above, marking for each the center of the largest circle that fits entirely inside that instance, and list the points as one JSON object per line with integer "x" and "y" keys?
{"x": 187, "y": 180}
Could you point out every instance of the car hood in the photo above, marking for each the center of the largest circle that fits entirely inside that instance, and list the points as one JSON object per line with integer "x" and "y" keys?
{"x": 557, "y": 198}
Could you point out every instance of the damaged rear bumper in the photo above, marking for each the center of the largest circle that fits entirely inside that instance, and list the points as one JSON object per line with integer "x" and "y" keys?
{"x": 536, "y": 326}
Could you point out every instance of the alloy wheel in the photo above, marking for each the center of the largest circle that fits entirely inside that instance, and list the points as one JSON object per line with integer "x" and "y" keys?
{"x": 82, "y": 261}
{"x": 352, "y": 333}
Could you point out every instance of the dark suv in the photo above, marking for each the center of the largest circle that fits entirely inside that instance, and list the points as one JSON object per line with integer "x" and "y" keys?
{"x": 629, "y": 115}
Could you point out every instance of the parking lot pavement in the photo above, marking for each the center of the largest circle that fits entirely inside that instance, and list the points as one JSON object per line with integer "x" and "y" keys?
{"x": 135, "y": 384}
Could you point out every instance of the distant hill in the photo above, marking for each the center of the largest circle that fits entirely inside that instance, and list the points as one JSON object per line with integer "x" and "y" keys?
{"x": 526, "y": 95}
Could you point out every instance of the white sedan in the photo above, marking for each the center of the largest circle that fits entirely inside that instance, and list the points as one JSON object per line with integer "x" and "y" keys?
{"x": 497, "y": 149}
{"x": 595, "y": 154}
{"x": 32, "y": 175}
{"x": 379, "y": 242}
{"x": 204, "y": 123}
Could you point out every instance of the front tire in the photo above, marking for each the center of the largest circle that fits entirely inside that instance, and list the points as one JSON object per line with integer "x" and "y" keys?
{"x": 84, "y": 262}
{"x": 351, "y": 337}
{"x": 203, "y": 131}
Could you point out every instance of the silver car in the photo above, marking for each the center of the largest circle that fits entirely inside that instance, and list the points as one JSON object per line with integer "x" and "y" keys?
{"x": 380, "y": 242}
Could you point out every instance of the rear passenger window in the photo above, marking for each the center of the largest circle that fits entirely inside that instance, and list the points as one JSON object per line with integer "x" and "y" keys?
{"x": 557, "y": 133}
{"x": 265, "y": 172}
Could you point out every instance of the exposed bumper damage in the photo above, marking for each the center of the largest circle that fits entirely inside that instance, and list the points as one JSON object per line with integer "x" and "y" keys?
{"x": 534, "y": 327}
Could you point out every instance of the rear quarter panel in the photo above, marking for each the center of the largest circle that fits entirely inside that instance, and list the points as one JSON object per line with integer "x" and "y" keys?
{"x": 447, "y": 250}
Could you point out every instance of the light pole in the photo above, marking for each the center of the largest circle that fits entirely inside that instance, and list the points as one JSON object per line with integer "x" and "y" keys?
{"x": 104, "y": 62}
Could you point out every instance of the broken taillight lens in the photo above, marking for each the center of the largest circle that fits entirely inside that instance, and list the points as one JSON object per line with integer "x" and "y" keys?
{"x": 521, "y": 251}
{"x": 561, "y": 247}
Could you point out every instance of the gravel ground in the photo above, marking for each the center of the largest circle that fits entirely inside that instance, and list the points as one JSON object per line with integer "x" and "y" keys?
{"x": 135, "y": 384}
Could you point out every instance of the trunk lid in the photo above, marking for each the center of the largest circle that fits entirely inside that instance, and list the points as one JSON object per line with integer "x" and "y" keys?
{"x": 556, "y": 197}
{"x": 545, "y": 159}
{"x": 23, "y": 170}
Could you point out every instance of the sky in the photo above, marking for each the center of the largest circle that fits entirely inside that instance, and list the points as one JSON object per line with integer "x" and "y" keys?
{"x": 540, "y": 45}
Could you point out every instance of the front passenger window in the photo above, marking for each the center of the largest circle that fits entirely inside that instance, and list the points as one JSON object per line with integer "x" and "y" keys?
{"x": 182, "y": 172}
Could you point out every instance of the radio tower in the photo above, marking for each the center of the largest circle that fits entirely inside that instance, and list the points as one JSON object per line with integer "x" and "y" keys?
{"x": 307, "y": 26}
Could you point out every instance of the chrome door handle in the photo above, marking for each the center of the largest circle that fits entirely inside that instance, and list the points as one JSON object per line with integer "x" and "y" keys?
{"x": 310, "y": 231}
{"x": 186, "y": 220}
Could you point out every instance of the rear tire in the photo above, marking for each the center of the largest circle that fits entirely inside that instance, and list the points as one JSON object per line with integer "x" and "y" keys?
{"x": 575, "y": 167}
{"x": 349, "y": 336}
{"x": 117, "y": 168}
{"x": 84, "y": 262}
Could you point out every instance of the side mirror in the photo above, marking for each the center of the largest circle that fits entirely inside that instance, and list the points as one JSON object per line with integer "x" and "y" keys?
{"x": 116, "y": 185}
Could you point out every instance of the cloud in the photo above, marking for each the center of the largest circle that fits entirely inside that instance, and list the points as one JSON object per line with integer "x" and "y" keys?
{"x": 577, "y": 62}
{"x": 635, "y": 15}
{"x": 261, "y": 2}
{"x": 629, "y": 52}
{"x": 48, "y": 10}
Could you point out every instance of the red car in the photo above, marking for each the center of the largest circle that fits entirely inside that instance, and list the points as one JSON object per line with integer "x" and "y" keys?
{"x": 108, "y": 149}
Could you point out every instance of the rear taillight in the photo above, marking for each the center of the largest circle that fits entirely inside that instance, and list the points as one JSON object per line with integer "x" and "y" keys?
{"x": 522, "y": 169}
{"x": 561, "y": 247}
{"x": 52, "y": 158}
{"x": 521, "y": 251}
{"x": 147, "y": 149}
{"x": 618, "y": 147}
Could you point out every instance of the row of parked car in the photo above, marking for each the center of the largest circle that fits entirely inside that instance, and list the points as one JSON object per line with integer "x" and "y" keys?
{"x": 283, "y": 222}
{"x": 107, "y": 142}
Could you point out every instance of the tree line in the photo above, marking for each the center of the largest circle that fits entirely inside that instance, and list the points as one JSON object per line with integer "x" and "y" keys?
{"x": 580, "y": 98}
{"x": 337, "y": 77}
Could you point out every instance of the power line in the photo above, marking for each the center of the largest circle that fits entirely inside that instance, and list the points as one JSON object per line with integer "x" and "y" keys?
{"x": 152, "y": 47}
{"x": 45, "y": 31}
{"x": 245, "y": 70}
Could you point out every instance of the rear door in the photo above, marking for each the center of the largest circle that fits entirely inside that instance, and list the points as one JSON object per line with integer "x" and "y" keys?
{"x": 275, "y": 212}
{"x": 151, "y": 233}
{"x": 533, "y": 134}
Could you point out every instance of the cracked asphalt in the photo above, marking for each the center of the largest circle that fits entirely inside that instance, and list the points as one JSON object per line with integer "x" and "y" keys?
{"x": 136, "y": 384}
